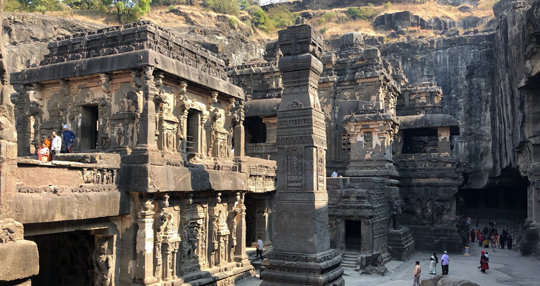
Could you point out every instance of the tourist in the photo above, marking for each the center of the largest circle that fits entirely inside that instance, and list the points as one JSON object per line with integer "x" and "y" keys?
{"x": 434, "y": 260}
{"x": 473, "y": 234}
{"x": 480, "y": 239}
{"x": 48, "y": 141}
{"x": 509, "y": 241}
{"x": 469, "y": 222}
{"x": 334, "y": 174}
{"x": 494, "y": 241}
{"x": 445, "y": 261}
{"x": 43, "y": 153}
{"x": 484, "y": 262}
{"x": 417, "y": 271}
{"x": 476, "y": 223}
{"x": 503, "y": 238}
{"x": 68, "y": 138}
{"x": 486, "y": 241}
{"x": 260, "y": 246}
{"x": 56, "y": 145}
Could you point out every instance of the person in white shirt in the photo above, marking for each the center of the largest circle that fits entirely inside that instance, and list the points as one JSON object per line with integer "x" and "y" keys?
{"x": 334, "y": 174}
{"x": 56, "y": 145}
{"x": 260, "y": 246}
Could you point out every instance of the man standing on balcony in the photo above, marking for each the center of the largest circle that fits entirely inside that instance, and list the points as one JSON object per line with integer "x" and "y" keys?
{"x": 69, "y": 136}
{"x": 56, "y": 145}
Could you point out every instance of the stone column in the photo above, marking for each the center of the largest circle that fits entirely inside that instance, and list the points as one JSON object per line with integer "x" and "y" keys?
{"x": 301, "y": 253}
{"x": 147, "y": 122}
{"x": 271, "y": 128}
{"x": 145, "y": 243}
{"x": 240, "y": 252}
{"x": 23, "y": 120}
{"x": 239, "y": 133}
{"x": 444, "y": 140}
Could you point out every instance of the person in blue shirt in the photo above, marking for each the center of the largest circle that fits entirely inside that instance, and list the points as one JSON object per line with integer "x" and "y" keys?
{"x": 69, "y": 136}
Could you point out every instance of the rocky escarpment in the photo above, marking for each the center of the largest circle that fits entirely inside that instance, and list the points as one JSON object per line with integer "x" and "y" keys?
{"x": 402, "y": 21}
{"x": 516, "y": 89}
{"x": 26, "y": 36}
{"x": 463, "y": 67}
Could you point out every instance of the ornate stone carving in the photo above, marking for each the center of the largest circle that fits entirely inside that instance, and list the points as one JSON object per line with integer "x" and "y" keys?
{"x": 103, "y": 259}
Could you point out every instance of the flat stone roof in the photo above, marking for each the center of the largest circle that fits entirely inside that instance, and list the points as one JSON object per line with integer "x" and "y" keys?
{"x": 130, "y": 46}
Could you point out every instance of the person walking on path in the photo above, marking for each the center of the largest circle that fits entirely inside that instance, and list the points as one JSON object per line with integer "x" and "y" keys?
{"x": 494, "y": 241}
{"x": 69, "y": 136}
{"x": 445, "y": 261}
{"x": 260, "y": 246}
{"x": 484, "y": 262}
{"x": 509, "y": 241}
{"x": 473, "y": 235}
{"x": 503, "y": 238}
{"x": 417, "y": 271}
{"x": 434, "y": 260}
{"x": 56, "y": 145}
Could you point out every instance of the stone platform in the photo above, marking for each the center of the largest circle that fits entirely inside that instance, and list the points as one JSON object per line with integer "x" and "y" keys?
{"x": 401, "y": 244}
{"x": 285, "y": 268}
{"x": 437, "y": 238}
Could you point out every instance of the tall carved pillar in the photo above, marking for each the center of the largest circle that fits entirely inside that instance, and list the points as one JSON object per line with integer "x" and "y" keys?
{"x": 301, "y": 254}
{"x": 239, "y": 133}
{"x": 145, "y": 243}
{"x": 147, "y": 128}
{"x": 240, "y": 252}
{"x": 22, "y": 120}
{"x": 19, "y": 257}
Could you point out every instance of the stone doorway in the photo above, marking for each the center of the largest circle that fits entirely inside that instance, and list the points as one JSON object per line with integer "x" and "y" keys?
{"x": 353, "y": 235}
{"x": 65, "y": 259}
{"x": 89, "y": 127}
{"x": 193, "y": 131}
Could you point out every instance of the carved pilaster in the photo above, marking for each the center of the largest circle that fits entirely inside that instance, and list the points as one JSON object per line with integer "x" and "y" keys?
{"x": 240, "y": 251}
{"x": 239, "y": 132}
{"x": 145, "y": 242}
{"x": 147, "y": 129}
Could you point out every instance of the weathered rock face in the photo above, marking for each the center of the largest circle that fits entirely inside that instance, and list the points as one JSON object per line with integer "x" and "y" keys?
{"x": 404, "y": 20}
{"x": 462, "y": 66}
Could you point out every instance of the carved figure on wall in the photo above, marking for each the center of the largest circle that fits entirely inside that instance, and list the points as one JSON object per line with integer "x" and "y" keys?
{"x": 191, "y": 242}
{"x": 215, "y": 241}
{"x": 396, "y": 209}
{"x": 368, "y": 139}
{"x": 103, "y": 263}
{"x": 119, "y": 135}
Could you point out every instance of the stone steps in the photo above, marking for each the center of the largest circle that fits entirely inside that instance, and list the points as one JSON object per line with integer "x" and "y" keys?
{"x": 348, "y": 260}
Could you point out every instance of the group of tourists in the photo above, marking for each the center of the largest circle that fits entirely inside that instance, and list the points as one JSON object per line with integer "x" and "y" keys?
{"x": 52, "y": 145}
{"x": 490, "y": 235}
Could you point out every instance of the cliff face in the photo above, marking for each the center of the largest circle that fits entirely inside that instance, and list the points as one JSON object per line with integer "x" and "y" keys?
{"x": 463, "y": 67}
{"x": 516, "y": 90}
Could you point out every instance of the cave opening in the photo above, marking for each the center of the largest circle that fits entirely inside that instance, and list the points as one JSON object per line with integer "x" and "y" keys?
{"x": 504, "y": 199}
{"x": 65, "y": 258}
{"x": 420, "y": 140}
{"x": 255, "y": 130}
{"x": 353, "y": 235}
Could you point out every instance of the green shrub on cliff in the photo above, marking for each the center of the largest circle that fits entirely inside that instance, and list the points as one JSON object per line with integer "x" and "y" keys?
{"x": 230, "y": 7}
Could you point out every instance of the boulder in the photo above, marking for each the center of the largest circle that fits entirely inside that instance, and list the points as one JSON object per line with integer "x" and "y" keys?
{"x": 440, "y": 280}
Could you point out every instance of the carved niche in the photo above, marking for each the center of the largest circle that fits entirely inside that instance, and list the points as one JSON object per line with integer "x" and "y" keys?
{"x": 103, "y": 260}
{"x": 194, "y": 243}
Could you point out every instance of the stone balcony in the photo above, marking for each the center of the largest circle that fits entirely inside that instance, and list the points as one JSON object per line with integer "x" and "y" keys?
{"x": 75, "y": 187}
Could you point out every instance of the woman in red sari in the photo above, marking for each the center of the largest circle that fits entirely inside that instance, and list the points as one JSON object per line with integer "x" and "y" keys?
{"x": 484, "y": 262}
{"x": 473, "y": 235}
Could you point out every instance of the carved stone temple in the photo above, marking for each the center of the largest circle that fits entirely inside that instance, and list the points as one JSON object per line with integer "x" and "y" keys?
{"x": 302, "y": 253}
{"x": 156, "y": 190}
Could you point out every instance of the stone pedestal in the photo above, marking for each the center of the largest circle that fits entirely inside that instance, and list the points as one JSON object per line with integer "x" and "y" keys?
{"x": 401, "y": 243}
{"x": 301, "y": 252}
{"x": 437, "y": 238}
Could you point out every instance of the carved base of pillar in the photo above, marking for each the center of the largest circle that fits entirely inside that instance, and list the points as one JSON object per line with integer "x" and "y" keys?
{"x": 401, "y": 243}
{"x": 286, "y": 269}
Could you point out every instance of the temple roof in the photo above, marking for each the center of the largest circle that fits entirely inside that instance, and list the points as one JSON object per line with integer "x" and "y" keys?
{"x": 129, "y": 46}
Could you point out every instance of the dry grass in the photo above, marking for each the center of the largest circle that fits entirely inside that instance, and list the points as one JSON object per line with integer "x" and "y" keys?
{"x": 431, "y": 10}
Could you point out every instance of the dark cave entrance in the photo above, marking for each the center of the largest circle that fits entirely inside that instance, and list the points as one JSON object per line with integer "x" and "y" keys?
{"x": 255, "y": 130}
{"x": 65, "y": 259}
{"x": 420, "y": 140}
{"x": 353, "y": 235}
{"x": 504, "y": 199}
{"x": 89, "y": 127}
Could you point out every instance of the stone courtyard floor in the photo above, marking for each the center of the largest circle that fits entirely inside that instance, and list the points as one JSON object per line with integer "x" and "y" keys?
{"x": 507, "y": 267}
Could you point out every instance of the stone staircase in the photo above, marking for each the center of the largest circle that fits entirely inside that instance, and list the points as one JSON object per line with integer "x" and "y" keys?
{"x": 349, "y": 259}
